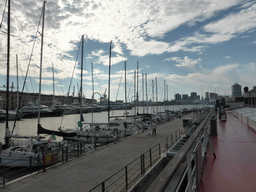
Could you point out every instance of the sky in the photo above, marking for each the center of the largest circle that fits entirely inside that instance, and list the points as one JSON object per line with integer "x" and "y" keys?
{"x": 188, "y": 45}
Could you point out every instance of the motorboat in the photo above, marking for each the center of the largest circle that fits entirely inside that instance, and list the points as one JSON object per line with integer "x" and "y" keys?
{"x": 31, "y": 111}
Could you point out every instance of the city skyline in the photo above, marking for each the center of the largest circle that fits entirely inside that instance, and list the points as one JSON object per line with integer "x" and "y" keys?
{"x": 200, "y": 46}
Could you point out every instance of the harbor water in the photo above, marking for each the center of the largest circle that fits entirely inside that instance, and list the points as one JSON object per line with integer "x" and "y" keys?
{"x": 28, "y": 127}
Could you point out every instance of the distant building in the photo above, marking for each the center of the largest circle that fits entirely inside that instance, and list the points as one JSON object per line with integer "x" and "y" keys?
{"x": 236, "y": 90}
{"x": 185, "y": 96}
{"x": 207, "y": 96}
{"x": 198, "y": 97}
{"x": 177, "y": 97}
{"x": 193, "y": 95}
{"x": 213, "y": 96}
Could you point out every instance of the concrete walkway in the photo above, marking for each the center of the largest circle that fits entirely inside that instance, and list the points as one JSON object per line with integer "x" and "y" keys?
{"x": 84, "y": 173}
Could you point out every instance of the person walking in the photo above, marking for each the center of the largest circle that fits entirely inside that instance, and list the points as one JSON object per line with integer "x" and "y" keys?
{"x": 154, "y": 128}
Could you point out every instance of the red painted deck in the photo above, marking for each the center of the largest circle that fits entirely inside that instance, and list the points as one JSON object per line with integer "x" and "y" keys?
{"x": 234, "y": 168}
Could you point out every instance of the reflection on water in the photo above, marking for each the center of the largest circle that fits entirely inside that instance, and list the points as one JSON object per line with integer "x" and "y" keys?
{"x": 29, "y": 126}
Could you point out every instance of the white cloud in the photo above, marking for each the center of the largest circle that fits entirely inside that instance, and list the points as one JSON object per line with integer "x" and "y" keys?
{"x": 227, "y": 57}
{"x": 186, "y": 62}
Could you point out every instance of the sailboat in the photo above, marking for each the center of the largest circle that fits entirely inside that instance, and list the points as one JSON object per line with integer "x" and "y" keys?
{"x": 27, "y": 154}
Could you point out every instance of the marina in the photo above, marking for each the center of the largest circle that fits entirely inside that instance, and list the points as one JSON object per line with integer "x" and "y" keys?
{"x": 125, "y": 96}
{"x": 86, "y": 171}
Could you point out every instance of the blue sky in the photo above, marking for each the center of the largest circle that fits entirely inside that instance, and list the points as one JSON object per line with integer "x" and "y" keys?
{"x": 193, "y": 45}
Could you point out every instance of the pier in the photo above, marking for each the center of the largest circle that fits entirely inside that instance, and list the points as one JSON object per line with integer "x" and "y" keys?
{"x": 84, "y": 173}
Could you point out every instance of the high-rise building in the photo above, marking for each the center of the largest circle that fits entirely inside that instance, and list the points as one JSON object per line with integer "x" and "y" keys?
{"x": 193, "y": 95}
{"x": 207, "y": 96}
{"x": 213, "y": 96}
{"x": 177, "y": 96}
{"x": 185, "y": 96}
{"x": 236, "y": 90}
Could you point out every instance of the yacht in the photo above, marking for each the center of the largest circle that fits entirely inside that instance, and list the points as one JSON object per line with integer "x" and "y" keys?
{"x": 31, "y": 111}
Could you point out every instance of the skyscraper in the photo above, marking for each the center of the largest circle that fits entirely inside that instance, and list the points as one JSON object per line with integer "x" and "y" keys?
{"x": 236, "y": 90}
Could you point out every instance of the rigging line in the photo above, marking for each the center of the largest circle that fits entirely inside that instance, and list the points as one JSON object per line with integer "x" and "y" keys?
{"x": 3, "y": 14}
{"x": 119, "y": 84}
{"x": 14, "y": 124}
{"x": 74, "y": 69}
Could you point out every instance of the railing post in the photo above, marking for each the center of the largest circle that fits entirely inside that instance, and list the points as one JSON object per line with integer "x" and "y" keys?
{"x": 30, "y": 164}
{"x": 38, "y": 163}
{"x": 172, "y": 138}
{"x": 159, "y": 149}
{"x": 175, "y": 135}
{"x": 62, "y": 155}
{"x": 143, "y": 155}
{"x": 126, "y": 177}
{"x": 103, "y": 186}
{"x": 77, "y": 149}
{"x": 107, "y": 138}
{"x": 3, "y": 176}
{"x": 141, "y": 164}
{"x": 81, "y": 149}
{"x": 44, "y": 162}
{"x": 166, "y": 143}
{"x": 150, "y": 156}
{"x": 67, "y": 153}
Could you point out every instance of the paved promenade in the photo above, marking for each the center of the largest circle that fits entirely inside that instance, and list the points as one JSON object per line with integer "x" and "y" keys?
{"x": 82, "y": 174}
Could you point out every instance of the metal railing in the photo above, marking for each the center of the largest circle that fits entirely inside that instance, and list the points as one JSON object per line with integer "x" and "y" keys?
{"x": 128, "y": 175}
{"x": 28, "y": 165}
{"x": 192, "y": 152}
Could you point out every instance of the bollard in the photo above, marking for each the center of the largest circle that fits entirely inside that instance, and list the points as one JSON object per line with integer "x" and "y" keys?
{"x": 166, "y": 142}
{"x": 159, "y": 150}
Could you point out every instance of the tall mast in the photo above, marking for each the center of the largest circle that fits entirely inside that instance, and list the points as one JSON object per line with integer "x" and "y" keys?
{"x": 92, "y": 94}
{"x": 109, "y": 72}
{"x": 156, "y": 97}
{"x": 134, "y": 92}
{"x": 7, "y": 79}
{"x": 137, "y": 87}
{"x": 153, "y": 96}
{"x": 164, "y": 95}
{"x": 81, "y": 86}
{"x": 146, "y": 90}
{"x": 125, "y": 89}
{"x": 143, "y": 93}
{"x": 53, "y": 88}
{"x": 41, "y": 62}
{"x": 17, "y": 73}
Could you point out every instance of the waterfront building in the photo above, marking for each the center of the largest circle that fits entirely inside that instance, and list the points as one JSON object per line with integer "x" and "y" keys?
{"x": 213, "y": 96}
{"x": 193, "y": 95}
{"x": 177, "y": 97}
{"x": 207, "y": 96}
{"x": 185, "y": 96}
{"x": 236, "y": 90}
{"x": 33, "y": 97}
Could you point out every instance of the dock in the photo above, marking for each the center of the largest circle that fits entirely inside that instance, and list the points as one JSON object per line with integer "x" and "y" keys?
{"x": 84, "y": 173}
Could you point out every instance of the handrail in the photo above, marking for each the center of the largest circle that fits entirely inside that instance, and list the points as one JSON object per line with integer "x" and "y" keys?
{"x": 161, "y": 182}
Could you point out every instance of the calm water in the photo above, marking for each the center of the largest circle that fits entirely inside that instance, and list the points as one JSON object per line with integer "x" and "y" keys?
{"x": 29, "y": 126}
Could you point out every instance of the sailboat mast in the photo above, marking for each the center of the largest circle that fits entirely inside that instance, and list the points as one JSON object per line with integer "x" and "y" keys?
{"x": 92, "y": 95}
{"x": 17, "y": 73}
{"x": 137, "y": 88}
{"x": 41, "y": 62}
{"x": 7, "y": 79}
{"x": 146, "y": 90}
{"x": 125, "y": 90}
{"x": 81, "y": 86}
{"x": 109, "y": 81}
{"x": 53, "y": 84}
